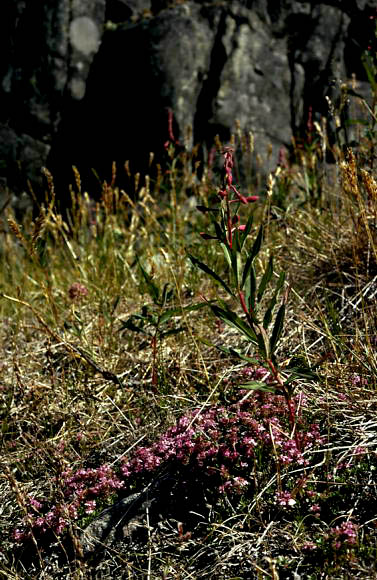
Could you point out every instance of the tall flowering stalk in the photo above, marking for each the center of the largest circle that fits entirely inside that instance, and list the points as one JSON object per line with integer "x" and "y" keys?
{"x": 262, "y": 330}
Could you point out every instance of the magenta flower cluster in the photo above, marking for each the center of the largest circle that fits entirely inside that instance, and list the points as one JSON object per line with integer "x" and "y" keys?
{"x": 344, "y": 535}
{"x": 223, "y": 440}
{"x": 220, "y": 443}
{"x": 284, "y": 498}
{"x": 81, "y": 490}
{"x": 230, "y": 194}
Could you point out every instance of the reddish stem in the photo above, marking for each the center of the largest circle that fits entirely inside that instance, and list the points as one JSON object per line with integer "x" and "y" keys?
{"x": 243, "y": 303}
{"x": 229, "y": 223}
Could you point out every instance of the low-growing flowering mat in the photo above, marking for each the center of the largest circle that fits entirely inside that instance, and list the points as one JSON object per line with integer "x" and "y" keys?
{"x": 225, "y": 447}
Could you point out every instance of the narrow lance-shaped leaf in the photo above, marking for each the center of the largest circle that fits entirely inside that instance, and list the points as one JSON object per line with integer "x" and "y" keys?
{"x": 172, "y": 331}
{"x": 246, "y": 231}
{"x": 166, "y": 294}
{"x": 268, "y": 314}
{"x": 231, "y": 352}
{"x": 239, "y": 266}
{"x": 236, "y": 265}
{"x": 153, "y": 289}
{"x": 227, "y": 253}
{"x": 278, "y": 327}
{"x": 250, "y": 290}
{"x": 263, "y": 342}
{"x": 300, "y": 373}
{"x": 219, "y": 232}
{"x": 257, "y": 386}
{"x": 265, "y": 279}
{"x": 211, "y": 273}
{"x": 231, "y": 318}
{"x": 168, "y": 314}
{"x": 205, "y": 209}
{"x": 236, "y": 240}
{"x": 129, "y": 325}
{"x": 369, "y": 66}
{"x": 253, "y": 253}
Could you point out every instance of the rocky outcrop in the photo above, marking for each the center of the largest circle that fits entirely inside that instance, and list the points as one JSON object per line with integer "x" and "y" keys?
{"x": 86, "y": 82}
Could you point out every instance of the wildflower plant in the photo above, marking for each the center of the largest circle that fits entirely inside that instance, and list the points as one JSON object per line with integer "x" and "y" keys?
{"x": 261, "y": 328}
{"x": 154, "y": 320}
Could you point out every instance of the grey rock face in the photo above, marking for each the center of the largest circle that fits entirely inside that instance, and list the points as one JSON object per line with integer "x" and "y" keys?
{"x": 86, "y": 82}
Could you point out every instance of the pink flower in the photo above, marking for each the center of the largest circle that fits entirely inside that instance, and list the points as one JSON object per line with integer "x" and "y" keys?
{"x": 34, "y": 503}
{"x": 345, "y": 534}
{"x": 315, "y": 508}
{"x": 90, "y": 506}
{"x": 284, "y": 498}
{"x": 19, "y": 535}
{"x": 309, "y": 546}
{"x": 77, "y": 291}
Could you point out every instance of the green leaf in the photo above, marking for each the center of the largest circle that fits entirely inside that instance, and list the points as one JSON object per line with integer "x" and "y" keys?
{"x": 219, "y": 232}
{"x": 129, "y": 325}
{"x": 352, "y": 93}
{"x": 301, "y": 373}
{"x": 205, "y": 209}
{"x": 257, "y": 386}
{"x": 247, "y": 230}
{"x": 268, "y": 314}
{"x": 278, "y": 327}
{"x": 265, "y": 279}
{"x": 172, "y": 331}
{"x": 197, "y": 306}
{"x": 168, "y": 314}
{"x": 227, "y": 252}
{"x": 236, "y": 240}
{"x": 351, "y": 122}
{"x": 370, "y": 69}
{"x": 253, "y": 253}
{"x": 231, "y": 318}
{"x": 152, "y": 288}
{"x": 231, "y": 352}
{"x": 236, "y": 264}
{"x": 250, "y": 290}
{"x": 166, "y": 294}
{"x": 263, "y": 342}
{"x": 146, "y": 317}
{"x": 210, "y": 272}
